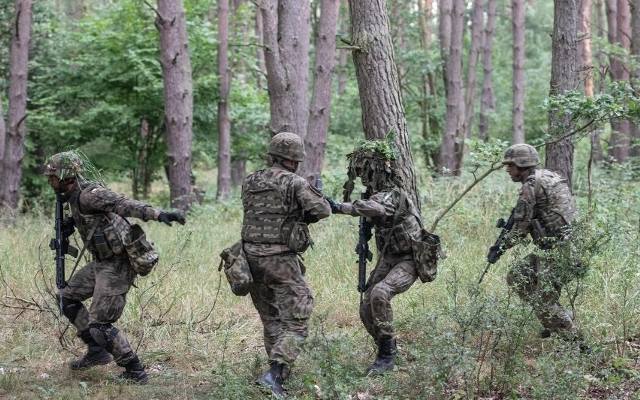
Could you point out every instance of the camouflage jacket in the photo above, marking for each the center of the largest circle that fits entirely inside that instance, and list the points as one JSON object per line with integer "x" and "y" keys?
{"x": 98, "y": 209}
{"x": 274, "y": 199}
{"x": 396, "y": 224}
{"x": 545, "y": 208}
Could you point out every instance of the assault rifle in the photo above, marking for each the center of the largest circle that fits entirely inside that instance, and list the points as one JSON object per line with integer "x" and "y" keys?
{"x": 362, "y": 249}
{"x": 497, "y": 250}
{"x": 61, "y": 243}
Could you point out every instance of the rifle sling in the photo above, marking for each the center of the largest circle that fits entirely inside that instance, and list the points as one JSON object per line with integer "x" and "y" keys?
{"x": 84, "y": 247}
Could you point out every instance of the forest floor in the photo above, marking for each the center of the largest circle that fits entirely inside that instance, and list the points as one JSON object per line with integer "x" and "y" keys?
{"x": 458, "y": 339}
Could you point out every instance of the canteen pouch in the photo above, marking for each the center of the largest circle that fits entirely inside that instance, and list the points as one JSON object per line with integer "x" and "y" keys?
{"x": 236, "y": 269}
{"x": 426, "y": 253}
{"x": 142, "y": 256}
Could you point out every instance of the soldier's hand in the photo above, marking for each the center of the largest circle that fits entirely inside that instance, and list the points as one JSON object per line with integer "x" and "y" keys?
{"x": 170, "y": 216}
{"x": 335, "y": 207}
{"x": 68, "y": 227}
{"x": 494, "y": 254}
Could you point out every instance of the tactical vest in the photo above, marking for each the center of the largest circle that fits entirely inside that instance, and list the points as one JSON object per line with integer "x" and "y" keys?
{"x": 269, "y": 207}
{"x": 555, "y": 207}
{"x": 102, "y": 233}
{"x": 395, "y": 235}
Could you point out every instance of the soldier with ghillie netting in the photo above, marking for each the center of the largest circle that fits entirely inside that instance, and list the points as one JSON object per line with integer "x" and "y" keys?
{"x": 100, "y": 215}
{"x": 398, "y": 228}
{"x": 545, "y": 210}
{"x": 278, "y": 205}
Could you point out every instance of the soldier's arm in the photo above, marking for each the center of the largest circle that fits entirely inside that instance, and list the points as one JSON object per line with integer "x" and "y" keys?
{"x": 312, "y": 202}
{"x": 378, "y": 205}
{"x": 522, "y": 216}
{"x": 101, "y": 199}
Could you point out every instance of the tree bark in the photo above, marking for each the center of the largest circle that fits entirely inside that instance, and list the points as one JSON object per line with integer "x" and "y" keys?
{"x": 238, "y": 171}
{"x": 343, "y": 55}
{"x": 261, "y": 69}
{"x": 619, "y": 33}
{"x": 487, "y": 102}
{"x": 11, "y": 173}
{"x": 3, "y": 135}
{"x": 379, "y": 88}
{"x": 320, "y": 107}
{"x": 178, "y": 97}
{"x": 451, "y": 149}
{"x": 224, "y": 123}
{"x": 564, "y": 78}
{"x": 286, "y": 39}
{"x": 584, "y": 46}
{"x": 635, "y": 73}
{"x": 472, "y": 63}
{"x": 429, "y": 122}
{"x": 518, "y": 29}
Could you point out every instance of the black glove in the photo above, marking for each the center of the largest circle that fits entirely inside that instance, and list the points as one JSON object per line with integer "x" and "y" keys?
{"x": 68, "y": 227}
{"x": 169, "y": 216}
{"x": 494, "y": 254}
{"x": 335, "y": 207}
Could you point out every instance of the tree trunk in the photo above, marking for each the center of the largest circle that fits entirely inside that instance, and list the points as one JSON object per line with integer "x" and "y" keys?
{"x": 238, "y": 171}
{"x": 3, "y": 135}
{"x": 487, "y": 102}
{"x": 564, "y": 78}
{"x": 517, "y": 24}
{"x": 178, "y": 97}
{"x": 474, "y": 53}
{"x": 286, "y": 39}
{"x": 379, "y": 88}
{"x": 11, "y": 173}
{"x": 429, "y": 122}
{"x": 261, "y": 69}
{"x": 619, "y": 33}
{"x": 343, "y": 55}
{"x": 584, "y": 46}
{"x": 224, "y": 123}
{"x": 451, "y": 149}
{"x": 635, "y": 73}
{"x": 320, "y": 107}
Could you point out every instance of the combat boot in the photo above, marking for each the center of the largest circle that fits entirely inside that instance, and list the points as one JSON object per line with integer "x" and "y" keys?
{"x": 273, "y": 379}
{"x": 134, "y": 372}
{"x": 385, "y": 361}
{"x": 95, "y": 355}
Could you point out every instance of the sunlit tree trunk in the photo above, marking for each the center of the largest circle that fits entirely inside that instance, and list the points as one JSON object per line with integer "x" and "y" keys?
{"x": 379, "y": 88}
{"x": 487, "y": 102}
{"x": 518, "y": 29}
{"x": 472, "y": 62}
{"x": 584, "y": 46}
{"x": 224, "y": 123}
{"x": 564, "y": 78}
{"x": 320, "y": 107}
{"x": 11, "y": 172}
{"x": 178, "y": 97}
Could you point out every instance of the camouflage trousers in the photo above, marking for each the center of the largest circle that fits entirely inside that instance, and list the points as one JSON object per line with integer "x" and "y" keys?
{"x": 538, "y": 282}
{"x": 284, "y": 301}
{"x": 391, "y": 276}
{"x": 107, "y": 283}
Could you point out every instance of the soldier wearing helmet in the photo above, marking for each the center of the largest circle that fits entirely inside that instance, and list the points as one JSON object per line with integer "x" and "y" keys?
{"x": 544, "y": 211}
{"x": 278, "y": 205}
{"x": 388, "y": 208}
{"x": 100, "y": 215}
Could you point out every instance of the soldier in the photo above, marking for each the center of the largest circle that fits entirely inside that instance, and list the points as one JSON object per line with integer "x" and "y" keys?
{"x": 397, "y": 224}
{"x": 278, "y": 205}
{"x": 99, "y": 215}
{"x": 545, "y": 210}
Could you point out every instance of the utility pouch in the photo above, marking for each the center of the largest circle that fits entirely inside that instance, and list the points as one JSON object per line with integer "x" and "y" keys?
{"x": 426, "y": 253}
{"x": 299, "y": 238}
{"x": 102, "y": 247}
{"x": 113, "y": 240}
{"x": 142, "y": 256}
{"x": 236, "y": 269}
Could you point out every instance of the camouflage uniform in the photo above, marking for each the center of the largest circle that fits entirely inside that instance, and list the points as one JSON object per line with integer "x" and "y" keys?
{"x": 274, "y": 200}
{"x": 545, "y": 210}
{"x": 395, "y": 270}
{"x": 101, "y": 213}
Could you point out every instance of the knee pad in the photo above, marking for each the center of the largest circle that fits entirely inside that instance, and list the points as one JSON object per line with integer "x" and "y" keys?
{"x": 70, "y": 308}
{"x": 104, "y": 334}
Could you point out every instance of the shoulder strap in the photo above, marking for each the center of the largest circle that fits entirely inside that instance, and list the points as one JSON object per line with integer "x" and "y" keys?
{"x": 84, "y": 247}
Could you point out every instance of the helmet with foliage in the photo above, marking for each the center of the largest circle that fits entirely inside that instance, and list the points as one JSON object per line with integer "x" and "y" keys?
{"x": 522, "y": 155}
{"x": 287, "y": 145}
{"x": 374, "y": 163}
{"x": 64, "y": 165}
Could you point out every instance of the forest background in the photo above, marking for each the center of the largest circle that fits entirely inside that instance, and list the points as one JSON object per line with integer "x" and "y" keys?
{"x": 174, "y": 102}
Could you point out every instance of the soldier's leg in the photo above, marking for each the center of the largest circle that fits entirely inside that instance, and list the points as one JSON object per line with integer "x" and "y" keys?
{"x": 551, "y": 314}
{"x": 262, "y": 298}
{"x": 366, "y": 309}
{"x": 523, "y": 278}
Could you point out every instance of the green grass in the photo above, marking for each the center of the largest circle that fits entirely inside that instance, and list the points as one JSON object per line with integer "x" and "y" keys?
{"x": 457, "y": 340}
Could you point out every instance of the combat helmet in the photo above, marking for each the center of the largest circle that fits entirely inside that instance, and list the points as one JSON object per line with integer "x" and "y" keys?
{"x": 522, "y": 155}
{"x": 64, "y": 165}
{"x": 288, "y": 146}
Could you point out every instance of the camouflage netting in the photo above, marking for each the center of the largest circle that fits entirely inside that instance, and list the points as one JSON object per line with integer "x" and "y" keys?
{"x": 72, "y": 164}
{"x": 373, "y": 161}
